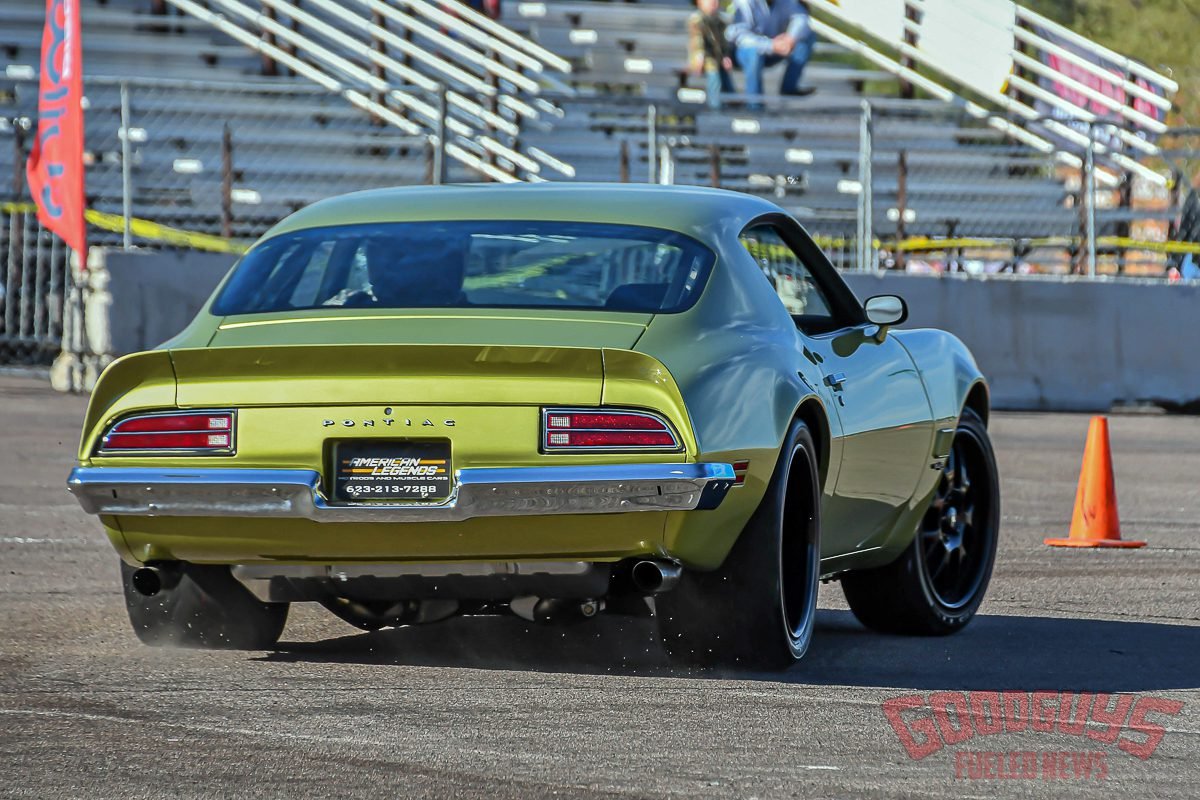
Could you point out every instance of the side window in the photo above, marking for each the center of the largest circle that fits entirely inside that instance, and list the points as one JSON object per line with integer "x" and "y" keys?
{"x": 791, "y": 279}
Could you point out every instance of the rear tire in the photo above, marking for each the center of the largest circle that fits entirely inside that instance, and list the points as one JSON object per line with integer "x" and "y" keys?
{"x": 208, "y": 608}
{"x": 757, "y": 611}
{"x": 936, "y": 585}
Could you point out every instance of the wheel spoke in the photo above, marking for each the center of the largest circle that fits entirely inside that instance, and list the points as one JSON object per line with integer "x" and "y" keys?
{"x": 951, "y": 468}
{"x": 953, "y": 546}
{"x": 968, "y": 516}
{"x": 945, "y": 560}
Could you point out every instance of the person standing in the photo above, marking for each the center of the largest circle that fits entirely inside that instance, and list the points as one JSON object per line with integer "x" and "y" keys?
{"x": 709, "y": 50}
{"x": 767, "y": 32}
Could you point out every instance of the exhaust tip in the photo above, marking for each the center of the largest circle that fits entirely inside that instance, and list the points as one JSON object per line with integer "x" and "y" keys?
{"x": 147, "y": 581}
{"x": 652, "y": 577}
{"x": 150, "y": 580}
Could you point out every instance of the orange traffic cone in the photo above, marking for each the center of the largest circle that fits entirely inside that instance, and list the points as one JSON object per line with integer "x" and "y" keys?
{"x": 1096, "y": 523}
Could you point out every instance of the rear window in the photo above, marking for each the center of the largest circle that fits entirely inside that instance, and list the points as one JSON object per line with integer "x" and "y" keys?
{"x": 470, "y": 265}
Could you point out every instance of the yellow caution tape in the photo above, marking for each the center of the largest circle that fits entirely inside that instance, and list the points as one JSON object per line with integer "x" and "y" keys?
{"x": 145, "y": 229}
{"x": 157, "y": 232}
{"x": 925, "y": 244}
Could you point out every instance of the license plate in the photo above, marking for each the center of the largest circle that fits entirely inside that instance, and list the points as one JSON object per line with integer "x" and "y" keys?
{"x": 394, "y": 471}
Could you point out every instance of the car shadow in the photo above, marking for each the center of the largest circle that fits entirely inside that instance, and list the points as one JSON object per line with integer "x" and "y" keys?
{"x": 995, "y": 652}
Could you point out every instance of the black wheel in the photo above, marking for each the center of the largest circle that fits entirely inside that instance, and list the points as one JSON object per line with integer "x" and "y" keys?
{"x": 206, "y": 608}
{"x": 937, "y": 584}
{"x": 757, "y": 610}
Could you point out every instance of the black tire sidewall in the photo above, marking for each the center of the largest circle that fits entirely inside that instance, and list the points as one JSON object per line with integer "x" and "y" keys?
{"x": 950, "y": 617}
{"x": 734, "y": 616}
{"x": 897, "y": 597}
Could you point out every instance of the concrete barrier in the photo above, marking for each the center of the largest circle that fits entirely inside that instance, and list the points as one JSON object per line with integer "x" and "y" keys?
{"x": 1044, "y": 343}
{"x": 154, "y": 295}
{"x": 129, "y": 301}
{"x": 1063, "y": 344}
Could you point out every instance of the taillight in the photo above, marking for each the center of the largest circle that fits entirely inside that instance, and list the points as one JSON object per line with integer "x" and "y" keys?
{"x": 203, "y": 432}
{"x": 596, "y": 429}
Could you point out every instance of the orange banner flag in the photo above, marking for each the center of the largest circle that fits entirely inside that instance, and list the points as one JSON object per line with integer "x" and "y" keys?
{"x": 55, "y": 166}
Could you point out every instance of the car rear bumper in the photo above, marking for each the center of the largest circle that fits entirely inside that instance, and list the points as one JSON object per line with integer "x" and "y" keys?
{"x": 479, "y": 492}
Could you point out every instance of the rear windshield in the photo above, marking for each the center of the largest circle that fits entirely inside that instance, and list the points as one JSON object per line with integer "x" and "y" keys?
{"x": 470, "y": 265}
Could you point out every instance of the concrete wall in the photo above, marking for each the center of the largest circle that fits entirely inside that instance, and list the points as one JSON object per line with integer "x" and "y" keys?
{"x": 154, "y": 295}
{"x": 1043, "y": 343}
{"x": 1060, "y": 343}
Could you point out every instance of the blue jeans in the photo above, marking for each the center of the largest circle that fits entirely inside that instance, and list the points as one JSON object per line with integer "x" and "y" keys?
{"x": 717, "y": 81}
{"x": 753, "y": 63}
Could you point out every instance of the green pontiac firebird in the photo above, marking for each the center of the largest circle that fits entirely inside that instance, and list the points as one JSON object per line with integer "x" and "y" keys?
{"x": 547, "y": 400}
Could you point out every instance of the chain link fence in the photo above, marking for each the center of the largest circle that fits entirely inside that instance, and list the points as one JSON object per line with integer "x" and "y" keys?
{"x": 911, "y": 186}
{"x": 33, "y": 284}
{"x": 182, "y": 164}
{"x": 222, "y": 159}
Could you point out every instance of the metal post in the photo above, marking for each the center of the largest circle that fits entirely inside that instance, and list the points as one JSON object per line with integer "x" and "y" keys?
{"x": 439, "y": 150}
{"x": 269, "y": 67}
{"x": 1175, "y": 203}
{"x": 866, "y": 236}
{"x": 652, "y": 143}
{"x": 907, "y": 90}
{"x": 380, "y": 46}
{"x": 901, "y": 209}
{"x": 126, "y": 170}
{"x": 494, "y": 106}
{"x": 953, "y": 254}
{"x": 226, "y": 182}
{"x": 624, "y": 161}
{"x": 1123, "y": 227}
{"x": 16, "y": 241}
{"x": 1089, "y": 199}
{"x": 714, "y": 166}
{"x": 666, "y": 162}
{"x": 18, "y": 176}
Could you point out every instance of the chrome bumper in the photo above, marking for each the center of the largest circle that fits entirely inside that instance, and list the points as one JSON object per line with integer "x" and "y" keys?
{"x": 480, "y": 492}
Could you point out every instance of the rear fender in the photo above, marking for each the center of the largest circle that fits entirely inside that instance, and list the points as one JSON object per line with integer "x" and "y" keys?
{"x": 138, "y": 382}
{"x": 947, "y": 368}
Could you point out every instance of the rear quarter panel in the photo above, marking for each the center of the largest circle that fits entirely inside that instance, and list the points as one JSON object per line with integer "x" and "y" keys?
{"x": 946, "y": 366}
{"x": 734, "y": 357}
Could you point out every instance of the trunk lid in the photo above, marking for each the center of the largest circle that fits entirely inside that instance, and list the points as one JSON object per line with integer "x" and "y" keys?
{"x": 392, "y": 374}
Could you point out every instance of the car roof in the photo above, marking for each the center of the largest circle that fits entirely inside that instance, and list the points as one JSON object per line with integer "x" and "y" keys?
{"x": 691, "y": 210}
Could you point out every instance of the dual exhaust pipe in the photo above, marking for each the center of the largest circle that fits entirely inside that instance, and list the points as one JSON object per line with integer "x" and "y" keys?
{"x": 154, "y": 578}
{"x": 648, "y": 577}
{"x": 653, "y": 577}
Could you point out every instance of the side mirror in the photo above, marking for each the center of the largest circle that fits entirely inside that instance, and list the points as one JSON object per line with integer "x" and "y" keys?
{"x": 885, "y": 310}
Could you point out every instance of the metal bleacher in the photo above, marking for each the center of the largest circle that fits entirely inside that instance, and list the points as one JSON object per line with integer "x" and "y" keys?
{"x": 191, "y": 77}
{"x": 970, "y": 172}
{"x": 963, "y": 176}
{"x": 336, "y": 116}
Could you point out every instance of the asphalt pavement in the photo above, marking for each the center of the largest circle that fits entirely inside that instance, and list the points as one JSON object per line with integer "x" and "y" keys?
{"x": 495, "y": 708}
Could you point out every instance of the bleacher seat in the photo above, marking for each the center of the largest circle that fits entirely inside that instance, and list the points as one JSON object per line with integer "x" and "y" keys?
{"x": 295, "y": 147}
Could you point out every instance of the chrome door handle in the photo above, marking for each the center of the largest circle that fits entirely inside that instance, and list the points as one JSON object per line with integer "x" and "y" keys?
{"x": 835, "y": 380}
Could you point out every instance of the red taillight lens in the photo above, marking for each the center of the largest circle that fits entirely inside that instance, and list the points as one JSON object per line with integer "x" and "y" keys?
{"x": 567, "y": 429}
{"x": 192, "y": 431}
